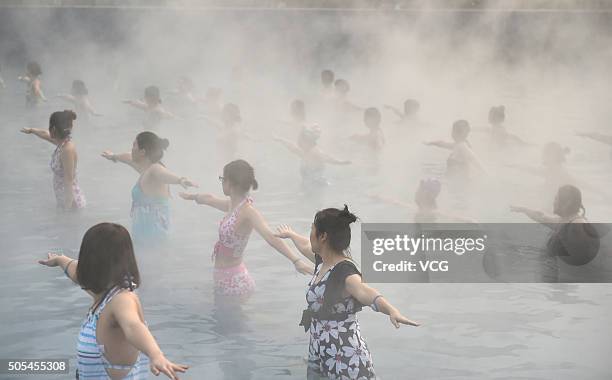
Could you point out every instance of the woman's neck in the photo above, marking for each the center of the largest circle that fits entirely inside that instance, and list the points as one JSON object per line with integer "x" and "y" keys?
{"x": 569, "y": 218}
{"x": 331, "y": 257}
{"x": 235, "y": 199}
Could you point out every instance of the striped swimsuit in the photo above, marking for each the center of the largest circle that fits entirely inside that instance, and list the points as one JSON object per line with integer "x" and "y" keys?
{"x": 92, "y": 363}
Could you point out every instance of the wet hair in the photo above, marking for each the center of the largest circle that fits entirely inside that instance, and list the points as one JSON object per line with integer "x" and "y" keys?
{"x": 372, "y": 117}
{"x": 342, "y": 85}
{"x": 461, "y": 130}
{"x": 497, "y": 114}
{"x": 327, "y": 77}
{"x": 569, "y": 201}
{"x": 240, "y": 174}
{"x": 33, "y": 68}
{"x": 106, "y": 259}
{"x": 298, "y": 109}
{"x": 427, "y": 192}
{"x": 152, "y": 92}
{"x": 60, "y": 123}
{"x": 153, "y": 145}
{"x": 555, "y": 153}
{"x": 79, "y": 88}
{"x": 231, "y": 113}
{"x": 411, "y": 107}
{"x": 336, "y": 224}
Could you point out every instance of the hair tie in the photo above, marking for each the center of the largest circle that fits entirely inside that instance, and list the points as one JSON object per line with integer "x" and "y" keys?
{"x": 128, "y": 282}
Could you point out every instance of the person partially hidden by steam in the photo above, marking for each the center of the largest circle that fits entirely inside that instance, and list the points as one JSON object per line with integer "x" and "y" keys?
{"x": 425, "y": 205}
{"x": 34, "y": 93}
{"x": 79, "y": 97}
{"x": 151, "y": 105}
{"x": 573, "y": 240}
{"x": 462, "y": 160}
{"x": 409, "y": 112}
{"x": 499, "y": 134}
{"x": 313, "y": 160}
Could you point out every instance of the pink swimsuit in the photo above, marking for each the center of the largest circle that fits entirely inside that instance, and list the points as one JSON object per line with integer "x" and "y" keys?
{"x": 232, "y": 281}
{"x": 59, "y": 187}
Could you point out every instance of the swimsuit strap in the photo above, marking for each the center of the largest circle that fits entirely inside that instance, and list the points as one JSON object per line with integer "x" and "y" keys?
{"x": 108, "y": 296}
{"x": 246, "y": 199}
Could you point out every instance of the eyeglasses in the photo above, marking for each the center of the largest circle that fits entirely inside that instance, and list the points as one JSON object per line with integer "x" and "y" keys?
{"x": 221, "y": 178}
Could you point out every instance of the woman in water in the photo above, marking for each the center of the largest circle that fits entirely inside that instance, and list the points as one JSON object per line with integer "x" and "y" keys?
{"x": 573, "y": 239}
{"x": 375, "y": 138}
{"x": 335, "y": 294}
{"x": 552, "y": 169}
{"x": 499, "y": 134}
{"x": 114, "y": 341}
{"x": 230, "y": 131}
{"x": 34, "y": 93}
{"x": 313, "y": 159}
{"x": 426, "y": 202}
{"x": 154, "y": 111}
{"x": 64, "y": 159}
{"x": 327, "y": 84}
{"x": 297, "y": 110}
{"x": 462, "y": 158}
{"x": 408, "y": 114}
{"x": 341, "y": 90}
{"x": 231, "y": 277}
{"x": 567, "y": 208}
{"x": 79, "y": 98}
{"x": 150, "y": 206}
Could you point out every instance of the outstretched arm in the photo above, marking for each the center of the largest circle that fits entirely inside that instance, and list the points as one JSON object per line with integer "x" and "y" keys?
{"x": 136, "y": 103}
{"x": 293, "y": 148}
{"x": 606, "y": 139}
{"x": 262, "y": 228}
{"x": 67, "y": 97}
{"x": 396, "y": 111}
{"x": 125, "y": 311}
{"x": 163, "y": 175}
{"x": 370, "y": 296}
{"x": 473, "y": 159}
{"x": 90, "y": 108}
{"x": 440, "y": 144}
{"x": 390, "y": 200}
{"x": 332, "y": 160}
{"x": 67, "y": 264}
{"x": 40, "y": 133}
{"x": 302, "y": 243}
{"x": 537, "y": 216}
{"x": 208, "y": 200}
{"x": 124, "y": 158}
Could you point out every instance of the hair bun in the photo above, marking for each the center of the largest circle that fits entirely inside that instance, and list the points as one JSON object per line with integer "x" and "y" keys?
{"x": 347, "y": 215}
{"x": 71, "y": 114}
{"x": 164, "y": 143}
{"x": 254, "y": 185}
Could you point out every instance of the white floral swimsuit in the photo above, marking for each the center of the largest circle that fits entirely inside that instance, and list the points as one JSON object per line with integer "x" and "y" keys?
{"x": 337, "y": 349}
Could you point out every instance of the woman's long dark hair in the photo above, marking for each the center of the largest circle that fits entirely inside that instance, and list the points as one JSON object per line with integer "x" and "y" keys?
{"x": 107, "y": 259}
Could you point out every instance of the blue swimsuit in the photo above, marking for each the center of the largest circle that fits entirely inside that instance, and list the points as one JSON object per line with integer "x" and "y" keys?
{"x": 92, "y": 364}
{"x": 150, "y": 215}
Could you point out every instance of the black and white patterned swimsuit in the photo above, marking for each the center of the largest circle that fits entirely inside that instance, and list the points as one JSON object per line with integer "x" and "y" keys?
{"x": 337, "y": 349}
